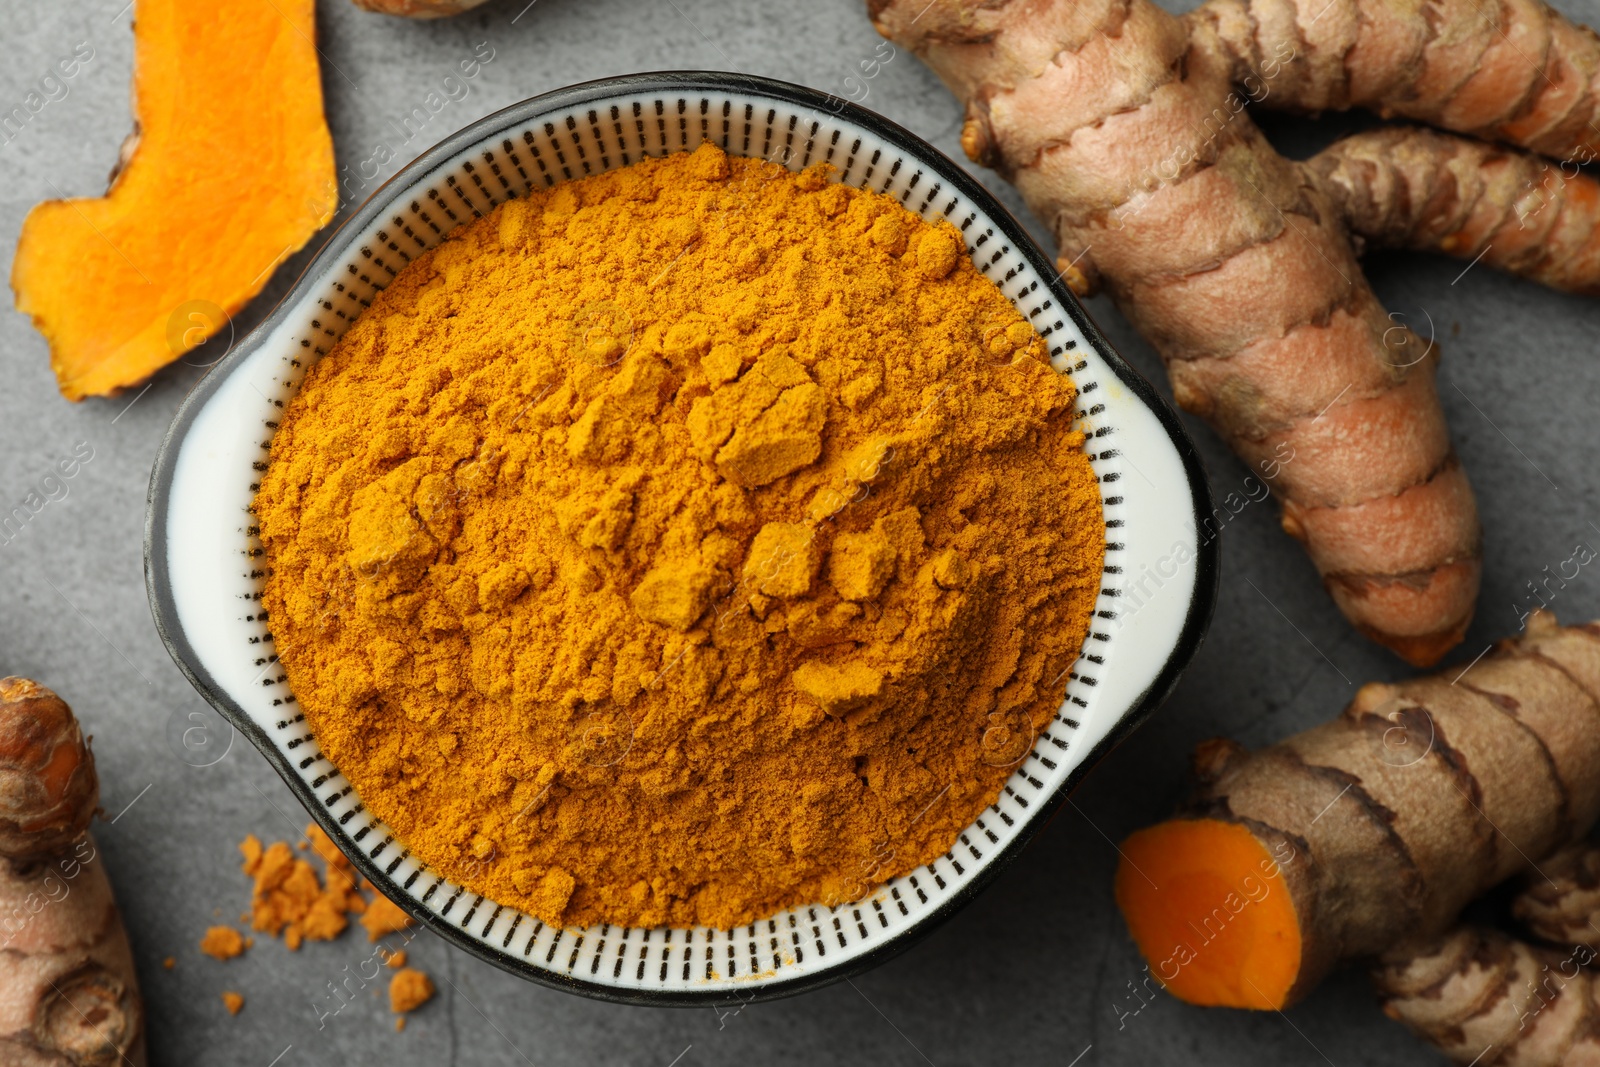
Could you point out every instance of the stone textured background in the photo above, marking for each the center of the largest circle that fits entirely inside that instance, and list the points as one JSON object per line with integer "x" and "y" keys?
{"x": 1036, "y": 970}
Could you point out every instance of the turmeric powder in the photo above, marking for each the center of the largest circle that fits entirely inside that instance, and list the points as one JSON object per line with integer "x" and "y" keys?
{"x": 288, "y": 900}
{"x": 222, "y": 943}
{"x": 682, "y": 543}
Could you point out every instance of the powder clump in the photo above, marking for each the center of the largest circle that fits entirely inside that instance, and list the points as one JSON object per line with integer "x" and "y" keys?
{"x": 222, "y": 943}
{"x": 680, "y": 544}
{"x": 287, "y": 898}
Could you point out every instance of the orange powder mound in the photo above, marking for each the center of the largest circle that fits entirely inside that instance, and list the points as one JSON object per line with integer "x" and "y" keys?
{"x": 1209, "y": 909}
{"x": 397, "y": 959}
{"x": 681, "y": 544}
{"x": 409, "y": 989}
{"x": 288, "y": 900}
{"x": 222, "y": 943}
{"x": 232, "y": 1001}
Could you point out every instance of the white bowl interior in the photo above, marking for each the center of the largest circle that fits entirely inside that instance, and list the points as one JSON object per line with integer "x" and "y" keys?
{"x": 214, "y": 558}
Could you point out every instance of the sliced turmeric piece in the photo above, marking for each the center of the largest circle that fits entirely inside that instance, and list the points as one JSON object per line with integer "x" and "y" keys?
{"x": 230, "y": 171}
{"x": 1215, "y": 928}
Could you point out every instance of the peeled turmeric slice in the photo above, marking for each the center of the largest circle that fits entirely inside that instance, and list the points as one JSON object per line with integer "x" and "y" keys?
{"x": 231, "y": 171}
{"x": 1205, "y": 903}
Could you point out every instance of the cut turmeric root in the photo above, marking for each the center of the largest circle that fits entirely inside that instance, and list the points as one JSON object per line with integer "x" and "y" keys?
{"x": 1370, "y": 832}
{"x": 1212, "y": 894}
{"x": 230, "y": 171}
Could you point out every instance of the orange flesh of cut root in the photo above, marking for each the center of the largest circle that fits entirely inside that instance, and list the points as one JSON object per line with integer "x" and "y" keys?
{"x": 1211, "y": 913}
{"x": 232, "y": 172}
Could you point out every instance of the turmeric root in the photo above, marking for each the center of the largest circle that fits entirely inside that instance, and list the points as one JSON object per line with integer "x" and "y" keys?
{"x": 1485, "y": 998}
{"x": 48, "y": 788}
{"x": 1126, "y": 130}
{"x": 1372, "y": 830}
{"x": 1560, "y": 899}
{"x": 1517, "y": 72}
{"x": 418, "y": 9}
{"x": 230, "y": 170}
{"x": 1430, "y": 192}
{"x": 68, "y": 994}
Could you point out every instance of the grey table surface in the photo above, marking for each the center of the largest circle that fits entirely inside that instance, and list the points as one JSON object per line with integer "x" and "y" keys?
{"x": 1038, "y": 968}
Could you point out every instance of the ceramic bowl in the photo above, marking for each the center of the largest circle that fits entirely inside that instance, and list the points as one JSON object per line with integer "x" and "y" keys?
{"x": 204, "y": 570}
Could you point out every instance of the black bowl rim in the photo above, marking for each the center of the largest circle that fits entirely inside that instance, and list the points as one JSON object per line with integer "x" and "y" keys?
{"x": 163, "y": 608}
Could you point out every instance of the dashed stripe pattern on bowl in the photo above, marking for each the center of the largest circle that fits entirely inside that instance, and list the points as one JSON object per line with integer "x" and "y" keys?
{"x": 803, "y": 946}
{"x": 591, "y": 142}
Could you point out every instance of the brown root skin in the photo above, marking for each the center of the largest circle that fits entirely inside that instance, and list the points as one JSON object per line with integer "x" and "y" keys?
{"x": 1560, "y": 899}
{"x": 1403, "y": 187}
{"x": 1484, "y": 998}
{"x": 68, "y": 993}
{"x": 69, "y": 987}
{"x": 418, "y": 9}
{"x": 1127, "y": 130}
{"x": 1517, "y": 72}
{"x": 48, "y": 786}
{"x": 1399, "y": 812}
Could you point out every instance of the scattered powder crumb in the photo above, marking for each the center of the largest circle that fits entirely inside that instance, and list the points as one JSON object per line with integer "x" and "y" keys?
{"x": 169, "y": 963}
{"x": 338, "y": 866}
{"x": 384, "y": 916}
{"x": 222, "y": 943}
{"x": 400, "y": 1024}
{"x": 251, "y": 849}
{"x": 409, "y": 989}
{"x": 289, "y": 901}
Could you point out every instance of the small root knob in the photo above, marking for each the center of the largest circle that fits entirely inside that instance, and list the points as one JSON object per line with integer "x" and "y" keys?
{"x": 1212, "y": 757}
{"x": 975, "y": 141}
{"x": 89, "y": 1016}
{"x": 1290, "y": 520}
